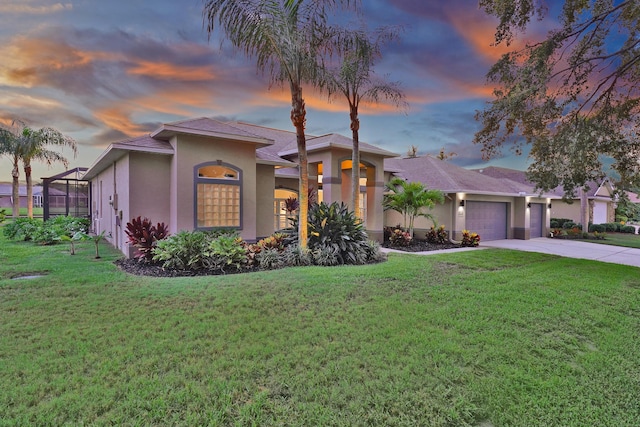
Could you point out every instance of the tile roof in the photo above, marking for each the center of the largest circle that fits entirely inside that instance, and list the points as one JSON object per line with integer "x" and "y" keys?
{"x": 449, "y": 178}
{"x": 521, "y": 176}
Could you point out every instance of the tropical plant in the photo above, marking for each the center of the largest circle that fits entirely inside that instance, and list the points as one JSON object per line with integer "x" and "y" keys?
{"x": 334, "y": 226}
{"x": 270, "y": 259}
{"x": 77, "y": 237}
{"x": 97, "y": 238}
{"x": 400, "y": 238}
{"x": 22, "y": 143}
{"x": 286, "y": 37}
{"x": 437, "y": 235}
{"x": 22, "y": 228}
{"x": 3, "y": 215}
{"x": 353, "y": 78}
{"x": 185, "y": 250}
{"x": 572, "y": 96}
{"x": 144, "y": 236}
{"x": 294, "y": 255}
{"x": 225, "y": 251}
{"x": 470, "y": 239}
{"x": 410, "y": 199}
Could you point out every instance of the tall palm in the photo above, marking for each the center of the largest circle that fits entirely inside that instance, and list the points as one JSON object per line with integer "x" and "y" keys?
{"x": 411, "y": 199}
{"x": 285, "y": 37}
{"x": 355, "y": 80}
{"x": 10, "y": 147}
{"x": 34, "y": 145}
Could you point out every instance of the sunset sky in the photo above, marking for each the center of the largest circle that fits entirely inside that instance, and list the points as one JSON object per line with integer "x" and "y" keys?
{"x": 102, "y": 71}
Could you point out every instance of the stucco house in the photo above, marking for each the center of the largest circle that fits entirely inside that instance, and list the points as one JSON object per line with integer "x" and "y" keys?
{"x": 203, "y": 174}
{"x": 494, "y": 208}
{"x": 601, "y": 206}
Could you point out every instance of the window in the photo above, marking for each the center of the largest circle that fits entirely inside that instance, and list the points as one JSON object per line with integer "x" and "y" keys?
{"x": 282, "y": 216}
{"x": 218, "y": 194}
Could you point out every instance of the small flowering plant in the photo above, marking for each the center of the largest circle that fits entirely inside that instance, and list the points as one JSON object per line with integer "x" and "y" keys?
{"x": 437, "y": 235}
{"x": 400, "y": 237}
{"x": 470, "y": 239}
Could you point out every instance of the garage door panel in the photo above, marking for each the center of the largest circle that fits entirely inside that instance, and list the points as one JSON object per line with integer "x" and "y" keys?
{"x": 488, "y": 219}
{"x": 536, "y": 219}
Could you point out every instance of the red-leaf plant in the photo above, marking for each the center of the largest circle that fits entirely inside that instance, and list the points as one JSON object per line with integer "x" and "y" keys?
{"x": 144, "y": 235}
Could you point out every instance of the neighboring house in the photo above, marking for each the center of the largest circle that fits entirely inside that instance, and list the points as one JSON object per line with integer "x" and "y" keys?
{"x": 203, "y": 174}
{"x": 6, "y": 195}
{"x": 601, "y": 207}
{"x": 494, "y": 208}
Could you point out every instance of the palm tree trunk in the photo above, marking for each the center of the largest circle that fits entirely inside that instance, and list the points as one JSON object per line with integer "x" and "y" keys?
{"x": 15, "y": 190}
{"x": 298, "y": 118}
{"x": 27, "y": 174}
{"x": 355, "y": 159}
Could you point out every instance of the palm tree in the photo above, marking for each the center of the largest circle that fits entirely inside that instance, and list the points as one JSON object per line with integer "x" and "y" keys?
{"x": 410, "y": 199}
{"x": 355, "y": 80}
{"x": 286, "y": 38}
{"x": 22, "y": 143}
{"x": 34, "y": 147}
{"x": 10, "y": 146}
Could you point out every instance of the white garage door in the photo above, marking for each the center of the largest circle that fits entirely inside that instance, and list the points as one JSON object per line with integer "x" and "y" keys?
{"x": 488, "y": 219}
{"x": 599, "y": 212}
{"x": 536, "y": 219}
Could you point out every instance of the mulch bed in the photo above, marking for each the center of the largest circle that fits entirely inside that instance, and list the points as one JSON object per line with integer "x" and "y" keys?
{"x": 422, "y": 246}
{"x": 133, "y": 266}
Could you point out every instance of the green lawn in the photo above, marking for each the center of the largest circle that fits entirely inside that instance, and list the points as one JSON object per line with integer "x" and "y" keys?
{"x": 620, "y": 239}
{"x": 479, "y": 338}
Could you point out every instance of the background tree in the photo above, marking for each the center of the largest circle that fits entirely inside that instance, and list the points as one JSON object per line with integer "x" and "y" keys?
{"x": 355, "y": 79}
{"x": 22, "y": 143}
{"x": 286, "y": 37}
{"x": 34, "y": 146}
{"x": 9, "y": 146}
{"x": 585, "y": 71}
{"x": 411, "y": 199}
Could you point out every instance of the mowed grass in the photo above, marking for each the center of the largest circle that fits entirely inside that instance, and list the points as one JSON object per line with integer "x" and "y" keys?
{"x": 480, "y": 338}
{"x": 619, "y": 239}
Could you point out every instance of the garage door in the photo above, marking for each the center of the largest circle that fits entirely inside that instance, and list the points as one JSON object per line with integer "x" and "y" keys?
{"x": 488, "y": 219}
{"x": 536, "y": 219}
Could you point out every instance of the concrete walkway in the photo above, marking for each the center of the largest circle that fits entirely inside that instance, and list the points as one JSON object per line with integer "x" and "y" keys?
{"x": 571, "y": 249}
{"x": 561, "y": 247}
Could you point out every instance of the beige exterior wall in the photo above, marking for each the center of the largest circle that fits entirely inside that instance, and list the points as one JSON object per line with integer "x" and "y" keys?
{"x": 265, "y": 184}
{"x": 191, "y": 151}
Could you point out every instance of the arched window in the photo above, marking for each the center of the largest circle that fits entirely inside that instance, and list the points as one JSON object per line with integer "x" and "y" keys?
{"x": 218, "y": 195}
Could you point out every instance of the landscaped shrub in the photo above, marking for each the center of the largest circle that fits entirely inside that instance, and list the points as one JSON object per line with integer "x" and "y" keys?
{"x": 3, "y": 215}
{"x": 628, "y": 229}
{"x": 22, "y": 228}
{"x": 554, "y": 223}
{"x": 144, "y": 236}
{"x": 470, "y": 239}
{"x": 612, "y": 227}
{"x": 68, "y": 225}
{"x": 437, "y": 235}
{"x": 374, "y": 254}
{"x": 225, "y": 251}
{"x": 182, "y": 251}
{"x": 270, "y": 259}
{"x": 294, "y": 255}
{"x": 325, "y": 256}
{"x": 600, "y": 228}
{"x": 399, "y": 238}
{"x": 560, "y": 222}
{"x": 333, "y": 229}
{"x": 568, "y": 225}
{"x": 597, "y": 235}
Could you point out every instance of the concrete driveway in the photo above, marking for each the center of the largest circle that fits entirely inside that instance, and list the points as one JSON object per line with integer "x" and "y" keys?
{"x": 571, "y": 249}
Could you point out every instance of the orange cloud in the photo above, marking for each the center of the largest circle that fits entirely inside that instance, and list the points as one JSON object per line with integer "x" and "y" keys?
{"x": 165, "y": 70}
{"x": 119, "y": 119}
{"x": 33, "y": 10}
